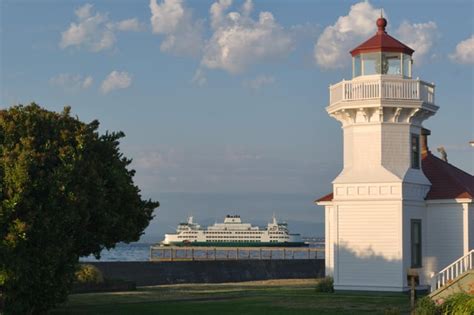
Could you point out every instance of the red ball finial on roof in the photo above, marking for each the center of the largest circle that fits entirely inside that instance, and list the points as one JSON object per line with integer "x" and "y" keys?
{"x": 381, "y": 23}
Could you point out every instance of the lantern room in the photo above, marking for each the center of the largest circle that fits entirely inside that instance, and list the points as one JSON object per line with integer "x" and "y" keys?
{"x": 382, "y": 54}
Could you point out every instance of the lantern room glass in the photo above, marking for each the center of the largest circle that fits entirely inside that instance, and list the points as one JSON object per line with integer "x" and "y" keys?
{"x": 389, "y": 63}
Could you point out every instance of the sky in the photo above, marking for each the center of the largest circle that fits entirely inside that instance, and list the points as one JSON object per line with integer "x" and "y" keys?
{"x": 227, "y": 98}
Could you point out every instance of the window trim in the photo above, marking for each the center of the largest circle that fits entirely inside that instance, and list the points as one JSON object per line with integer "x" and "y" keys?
{"x": 413, "y": 263}
{"x": 415, "y": 162}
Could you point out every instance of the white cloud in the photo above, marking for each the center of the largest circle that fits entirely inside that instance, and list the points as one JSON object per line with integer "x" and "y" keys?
{"x": 71, "y": 81}
{"x": 199, "y": 78}
{"x": 332, "y": 48}
{"x": 217, "y": 12}
{"x": 239, "y": 41}
{"x": 87, "y": 82}
{"x": 419, "y": 36}
{"x": 116, "y": 80}
{"x": 183, "y": 35}
{"x": 129, "y": 25}
{"x": 259, "y": 82}
{"x": 464, "y": 52}
{"x": 94, "y": 32}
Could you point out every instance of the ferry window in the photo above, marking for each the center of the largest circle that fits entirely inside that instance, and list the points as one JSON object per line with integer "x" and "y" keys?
{"x": 416, "y": 243}
{"x": 415, "y": 151}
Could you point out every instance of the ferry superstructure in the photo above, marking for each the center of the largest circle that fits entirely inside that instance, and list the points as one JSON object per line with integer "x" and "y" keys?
{"x": 233, "y": 233}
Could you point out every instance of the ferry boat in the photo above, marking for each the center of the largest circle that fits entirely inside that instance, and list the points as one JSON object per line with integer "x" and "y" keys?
{"x": 233, "y": 233}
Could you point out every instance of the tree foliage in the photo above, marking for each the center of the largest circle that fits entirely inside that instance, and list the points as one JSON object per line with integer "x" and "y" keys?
{"x": 65, "y": 192}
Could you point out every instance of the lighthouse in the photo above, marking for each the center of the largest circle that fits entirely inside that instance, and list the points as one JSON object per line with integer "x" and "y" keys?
{"x": 393, "y": 207}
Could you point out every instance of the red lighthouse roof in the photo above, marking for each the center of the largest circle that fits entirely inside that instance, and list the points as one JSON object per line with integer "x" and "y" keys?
{"x": 381, "y": 41}
{"x": 447, "y": 181}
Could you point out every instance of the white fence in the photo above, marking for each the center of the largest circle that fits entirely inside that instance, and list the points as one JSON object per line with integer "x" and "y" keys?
{"x": 453, "y": 271}
{"x": 384, "y": 88}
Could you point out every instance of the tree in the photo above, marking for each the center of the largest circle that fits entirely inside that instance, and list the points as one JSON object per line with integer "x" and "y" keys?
{"x": 65, "y": 192}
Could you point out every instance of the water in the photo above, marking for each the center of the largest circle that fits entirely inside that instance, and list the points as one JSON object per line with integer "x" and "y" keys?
{"x": 124, "y": 252}
{"x": 136, "y": 252}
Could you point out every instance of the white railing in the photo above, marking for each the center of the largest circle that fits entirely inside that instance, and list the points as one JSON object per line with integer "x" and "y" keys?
{"x": 457, "y": 268}
{"x": 383, "y": 88}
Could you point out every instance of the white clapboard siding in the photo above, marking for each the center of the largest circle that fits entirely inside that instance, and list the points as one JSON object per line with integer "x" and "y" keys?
{"x": 369, "y": 245}
{"x": 445, "y": 233}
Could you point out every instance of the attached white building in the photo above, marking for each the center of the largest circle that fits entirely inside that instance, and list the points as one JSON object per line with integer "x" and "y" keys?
{"x": 394, "y": 206}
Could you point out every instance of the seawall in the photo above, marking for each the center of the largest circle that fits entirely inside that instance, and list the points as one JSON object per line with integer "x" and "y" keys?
{"x": 155, "y": 273}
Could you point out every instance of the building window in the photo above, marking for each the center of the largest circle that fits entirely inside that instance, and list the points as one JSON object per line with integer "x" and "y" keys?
{"x": 415, "y": 151}
{"x": 415, "y": 243}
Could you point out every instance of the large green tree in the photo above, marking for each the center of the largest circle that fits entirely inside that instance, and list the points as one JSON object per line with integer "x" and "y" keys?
{"x": 66, "y": 191}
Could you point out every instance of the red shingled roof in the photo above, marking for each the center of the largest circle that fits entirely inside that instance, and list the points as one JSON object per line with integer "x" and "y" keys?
{"x": 447, "y": 181}
{"x": 382, "y": 42}
{"x": 328, "y": 197}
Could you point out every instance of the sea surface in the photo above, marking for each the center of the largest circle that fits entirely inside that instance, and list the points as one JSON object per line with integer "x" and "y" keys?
{"x": 135, "y": 252}
{"x": 123, "y": 252}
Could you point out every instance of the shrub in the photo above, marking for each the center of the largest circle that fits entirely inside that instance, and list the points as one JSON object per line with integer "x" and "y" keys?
{"x": 426, "y": 306}
{"x": 325, "y": 285}
{"x": 391, "y": 311}
{"x": 458, "y": 303}
{"x": 89, "y": 274}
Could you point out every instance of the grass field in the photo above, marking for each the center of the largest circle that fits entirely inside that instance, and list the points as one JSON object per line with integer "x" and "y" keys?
{"x": 263, "y": 297}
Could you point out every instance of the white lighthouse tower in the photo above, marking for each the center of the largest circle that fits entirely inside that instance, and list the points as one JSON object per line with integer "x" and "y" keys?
{"x": 374, "y": 216}
{"x": 395, "y": 207}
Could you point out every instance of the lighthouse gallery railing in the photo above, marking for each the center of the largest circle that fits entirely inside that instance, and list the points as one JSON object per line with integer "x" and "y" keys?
{"x": 382, "y": 88}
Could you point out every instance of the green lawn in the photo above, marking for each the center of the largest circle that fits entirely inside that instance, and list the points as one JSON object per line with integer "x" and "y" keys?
{"x": 274, "y": 297}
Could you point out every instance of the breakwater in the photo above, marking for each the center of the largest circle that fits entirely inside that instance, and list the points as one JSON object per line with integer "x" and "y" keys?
{"x": 167, "y": 272}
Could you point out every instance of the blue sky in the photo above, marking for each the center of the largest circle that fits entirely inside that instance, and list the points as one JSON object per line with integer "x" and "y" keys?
{"x": 229, "y": 96}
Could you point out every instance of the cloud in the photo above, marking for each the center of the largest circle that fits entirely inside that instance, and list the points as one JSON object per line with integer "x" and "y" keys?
{"x": 332, "y": 47}
{"x": 183, "y": 34}
{"x": 217, "y": 12}
{"x": 226, "y": 168}
{"x": 71, "y": 81}
{"x": 419, "y": 36}
{"x": 239, "y": 41}
{"x": 116, "y": 80}
{"x": 87, "y": 82}
{"x": 94, "y": 32}
{"x": 259, "y": 82}
{"x": 199, "y": 78}
{"x": 131, "y": 25}
{"x": 464, "y": 52}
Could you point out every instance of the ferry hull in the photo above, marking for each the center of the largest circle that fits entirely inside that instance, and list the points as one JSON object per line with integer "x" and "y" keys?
{"x": 237, "y": 244}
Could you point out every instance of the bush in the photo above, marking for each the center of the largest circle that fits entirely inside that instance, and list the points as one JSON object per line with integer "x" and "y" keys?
{"x": 391, "y": 311}
{"x": 426, "y": 306}
{"x": 89, "y": 274}
{"x": 458, "y": 303}
{"x": 325, "y": 285}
